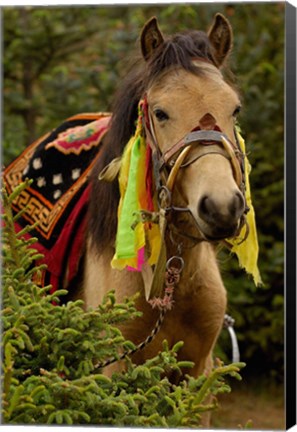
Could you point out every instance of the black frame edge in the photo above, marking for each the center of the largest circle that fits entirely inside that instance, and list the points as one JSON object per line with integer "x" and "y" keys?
{"x": 290, "y": 237}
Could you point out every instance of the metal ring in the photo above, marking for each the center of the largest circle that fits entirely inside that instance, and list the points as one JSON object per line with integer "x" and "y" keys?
{"x": 180, "y": 266}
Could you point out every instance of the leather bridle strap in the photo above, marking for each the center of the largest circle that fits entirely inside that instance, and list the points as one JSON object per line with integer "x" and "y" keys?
{"x": 207, "y": 136}
{"x": 176, "y": 167}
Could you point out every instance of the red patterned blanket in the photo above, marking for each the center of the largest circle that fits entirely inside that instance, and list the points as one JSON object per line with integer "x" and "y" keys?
{"x": 59, "y": 164}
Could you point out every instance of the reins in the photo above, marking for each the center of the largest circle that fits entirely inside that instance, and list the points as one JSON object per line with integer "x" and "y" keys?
{"x": 174, "y": 268}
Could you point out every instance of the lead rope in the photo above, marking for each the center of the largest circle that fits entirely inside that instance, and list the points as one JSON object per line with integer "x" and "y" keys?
{"x": 174, "y": 268}
{"x": 138, "y": 347}
{"x": 164, "y": 304}
{"x": 171, "y": 280}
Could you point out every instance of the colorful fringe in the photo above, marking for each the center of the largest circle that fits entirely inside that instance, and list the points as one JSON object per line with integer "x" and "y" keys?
{"x": 140, "y": 243}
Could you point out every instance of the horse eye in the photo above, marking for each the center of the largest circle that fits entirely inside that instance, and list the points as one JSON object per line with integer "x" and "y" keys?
{"x": 161, "y": 115}
{"x": 236, "y": 111}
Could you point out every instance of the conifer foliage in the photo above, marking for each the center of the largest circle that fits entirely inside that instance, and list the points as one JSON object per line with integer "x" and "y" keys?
{"x": 50, "y": 351}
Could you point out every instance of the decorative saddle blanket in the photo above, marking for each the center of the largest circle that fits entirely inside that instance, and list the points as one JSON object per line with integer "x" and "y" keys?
{"x": 59, "y": 163}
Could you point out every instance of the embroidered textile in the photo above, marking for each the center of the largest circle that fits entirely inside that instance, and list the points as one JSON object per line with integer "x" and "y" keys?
{"x": 59, "y": 164}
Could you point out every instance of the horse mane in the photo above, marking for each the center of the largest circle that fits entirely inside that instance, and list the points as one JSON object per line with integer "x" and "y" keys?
{"x": 177, "y": 51}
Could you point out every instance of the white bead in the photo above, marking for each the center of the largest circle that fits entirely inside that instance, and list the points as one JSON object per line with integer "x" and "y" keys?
{"x": 75, "y": 173}
{"x": 41, "y": 182}
{"x": 57, "y": 179}
{"x": 37, "y": 164}
{"x": 57, "y": 194}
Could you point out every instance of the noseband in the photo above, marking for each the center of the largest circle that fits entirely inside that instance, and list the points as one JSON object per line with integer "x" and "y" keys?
{"x": 167, "y": 164}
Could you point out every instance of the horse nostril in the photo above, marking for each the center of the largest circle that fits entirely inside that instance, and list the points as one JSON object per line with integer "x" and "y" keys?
{"x": 220, "y": 214}
{"x": 236, "y": 207}
{"x": 206, "y": 208}
{"x": 214, "y": 211}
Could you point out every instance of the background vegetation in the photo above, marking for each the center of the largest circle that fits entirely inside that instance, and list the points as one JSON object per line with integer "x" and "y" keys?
{"x": 61, "y": 61}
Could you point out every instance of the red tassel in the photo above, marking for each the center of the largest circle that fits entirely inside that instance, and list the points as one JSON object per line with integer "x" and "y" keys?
{"x": 145, "y": 113}
{"x": 149, "y": 179}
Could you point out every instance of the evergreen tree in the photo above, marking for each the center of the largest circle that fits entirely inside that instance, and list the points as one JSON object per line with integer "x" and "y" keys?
{"x": 50, "y": 352}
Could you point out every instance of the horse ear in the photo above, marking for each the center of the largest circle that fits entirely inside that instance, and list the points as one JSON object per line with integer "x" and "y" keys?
{"x": 221, "y": 38}
{"x": 151, "y": 38}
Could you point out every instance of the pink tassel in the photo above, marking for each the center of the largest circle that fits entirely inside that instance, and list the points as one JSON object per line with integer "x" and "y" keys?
{"x": 140, "y": 261}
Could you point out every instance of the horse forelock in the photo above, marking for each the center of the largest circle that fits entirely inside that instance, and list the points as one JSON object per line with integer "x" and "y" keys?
{"x": 177, "y": 51}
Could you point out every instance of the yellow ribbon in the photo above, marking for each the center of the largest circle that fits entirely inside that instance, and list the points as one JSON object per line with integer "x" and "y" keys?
{"x": 247, "y": 252}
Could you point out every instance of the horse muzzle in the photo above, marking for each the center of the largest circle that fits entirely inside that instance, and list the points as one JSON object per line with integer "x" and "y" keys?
{"x": 219, "y": 214}
{"x": 219, "y": 220}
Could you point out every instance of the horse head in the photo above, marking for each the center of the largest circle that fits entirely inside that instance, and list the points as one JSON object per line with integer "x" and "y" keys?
{"x": 190, "y": 122}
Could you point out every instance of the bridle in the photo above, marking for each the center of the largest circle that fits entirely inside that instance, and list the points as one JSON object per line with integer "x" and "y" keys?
{"x": 167, "y": 165}
{"x": 165, "y": 169}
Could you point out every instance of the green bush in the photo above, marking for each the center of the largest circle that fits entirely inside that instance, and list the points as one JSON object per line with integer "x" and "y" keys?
{"x": 52, "y": 353}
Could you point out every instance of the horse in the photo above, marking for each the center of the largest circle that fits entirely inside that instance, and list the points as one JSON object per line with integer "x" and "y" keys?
{"x": 168, "y": 185}
{"x": 187, "y": 106}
